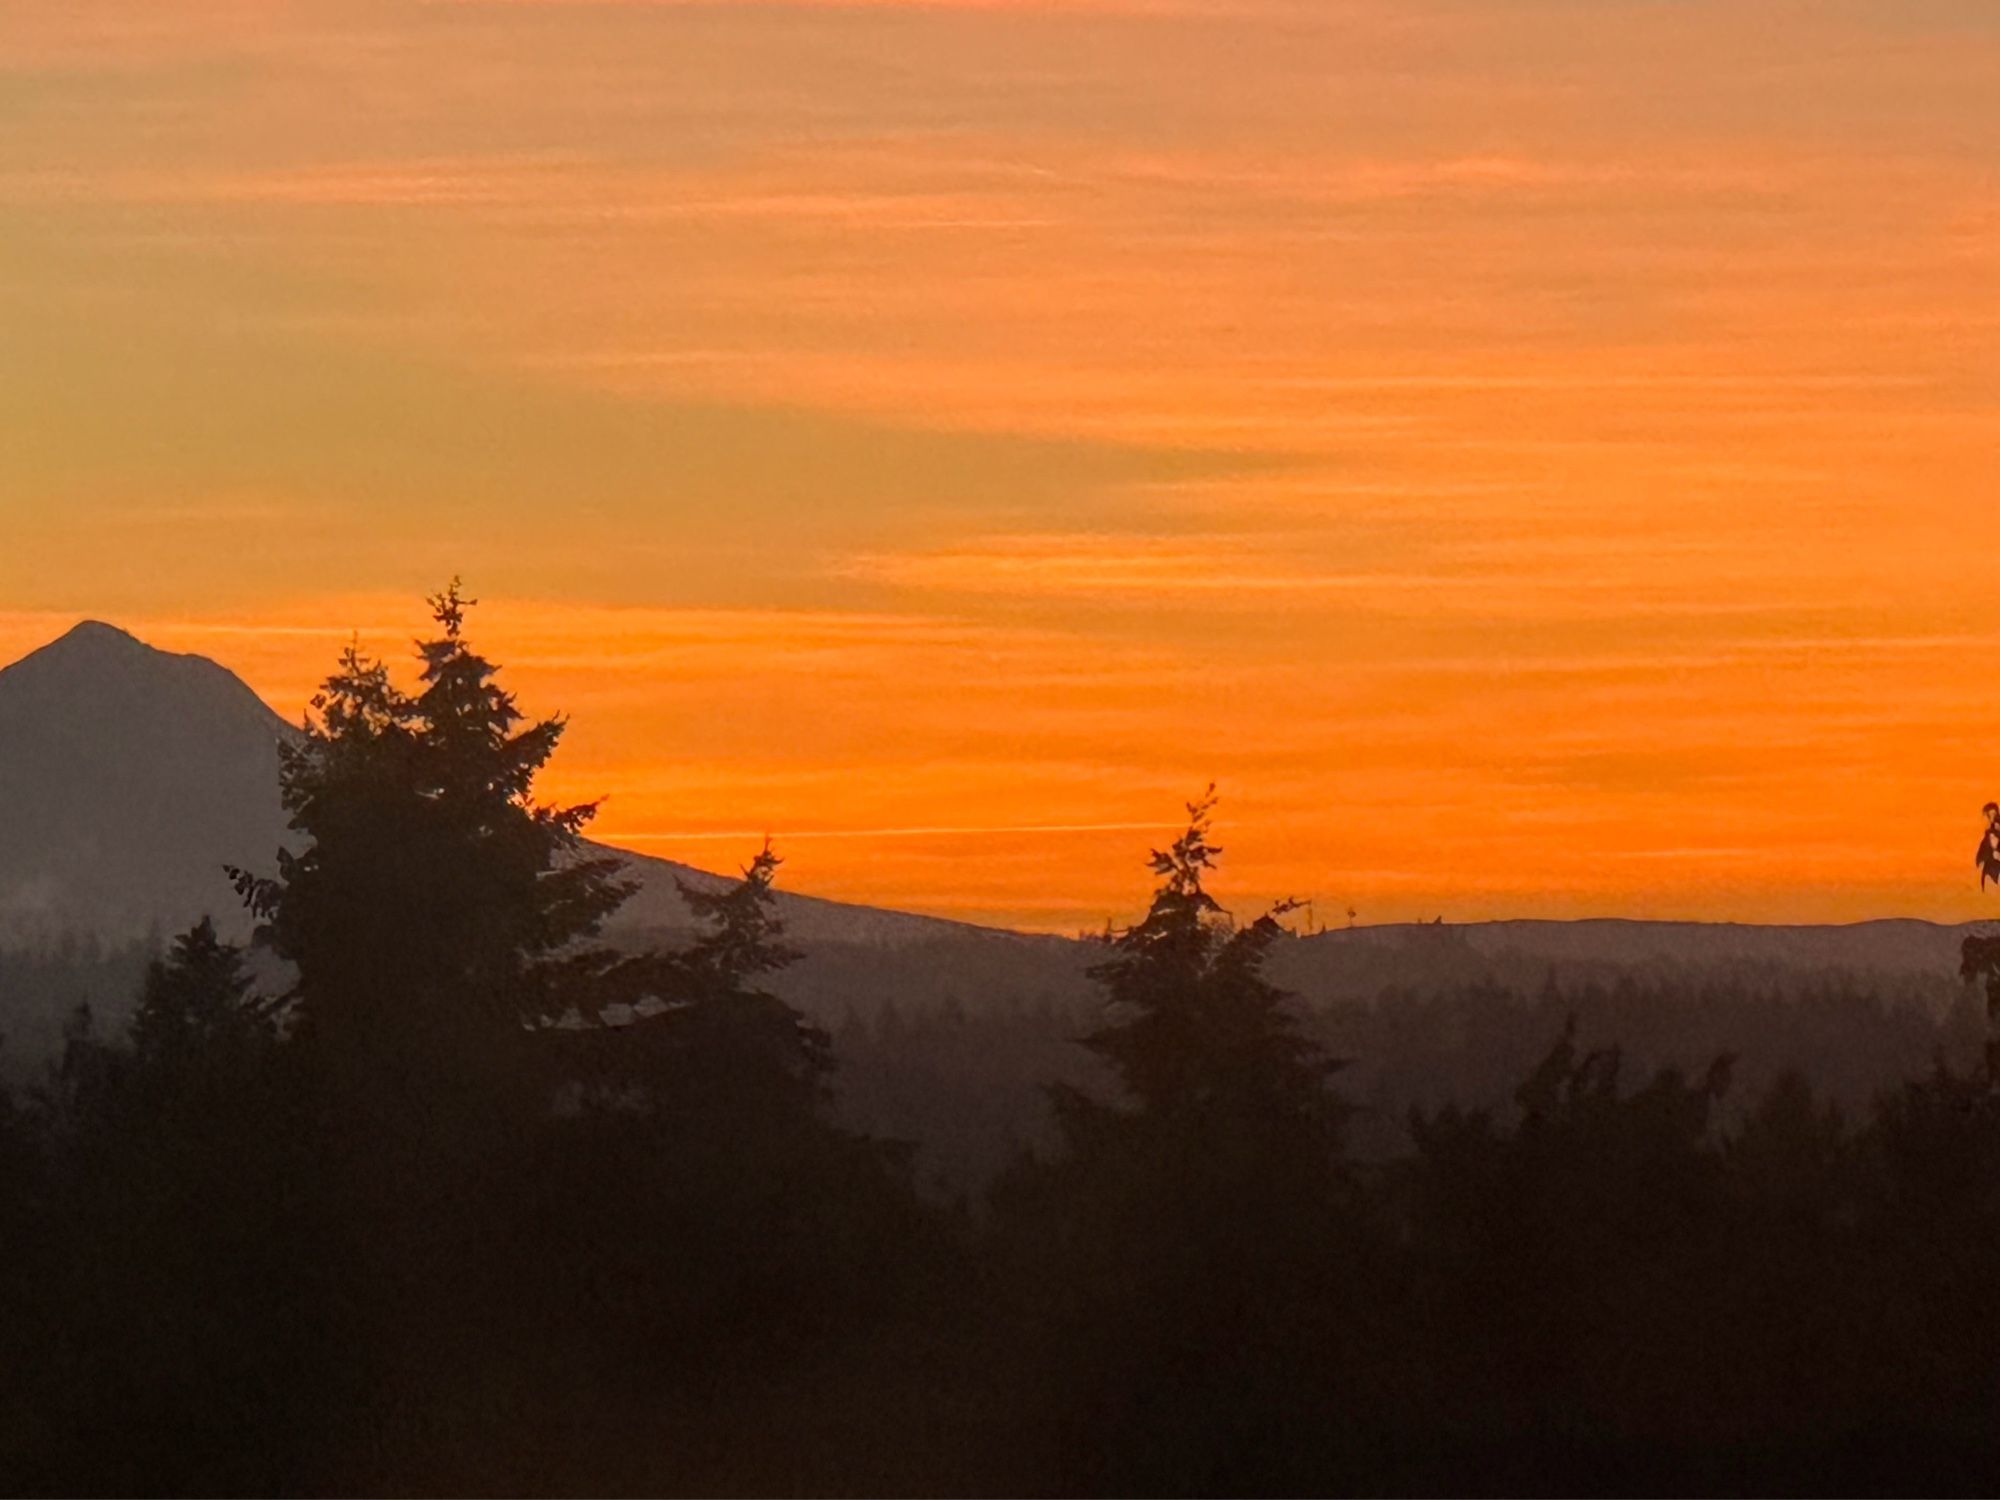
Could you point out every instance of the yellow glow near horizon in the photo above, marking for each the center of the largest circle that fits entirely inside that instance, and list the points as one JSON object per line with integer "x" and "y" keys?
{"x": 1533, "y": 456}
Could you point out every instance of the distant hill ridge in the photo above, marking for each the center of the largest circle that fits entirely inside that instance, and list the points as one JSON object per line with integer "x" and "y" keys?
{"x": 129, "y": 776}
{"x": 1894, "y": 942}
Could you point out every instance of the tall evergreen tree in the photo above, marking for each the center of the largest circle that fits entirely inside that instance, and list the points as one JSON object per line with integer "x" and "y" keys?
{"x": 196, "y": 1011}
{"x": 738, "y": 1032}
{"x": 1197, "y": 1035}
{"x": 436, "y": 910}
{"x": 1188, "y": 1249}
{"x": 438, "y": 917}
{"x": 701, "y": 1171}
{"x": 189, "y": 1287}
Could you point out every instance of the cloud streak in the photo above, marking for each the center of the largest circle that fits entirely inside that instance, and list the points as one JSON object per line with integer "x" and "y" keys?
{"x": 1526, "y": 454}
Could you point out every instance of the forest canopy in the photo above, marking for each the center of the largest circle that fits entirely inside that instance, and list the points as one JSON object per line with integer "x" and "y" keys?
{"x": 434, "y": 1186}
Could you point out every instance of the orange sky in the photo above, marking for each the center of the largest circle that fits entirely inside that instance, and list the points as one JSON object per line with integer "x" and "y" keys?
{"x": 1537, "y": 457}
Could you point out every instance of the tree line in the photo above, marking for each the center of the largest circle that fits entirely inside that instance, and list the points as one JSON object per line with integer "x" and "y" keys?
{"x": 479, "y": 1202}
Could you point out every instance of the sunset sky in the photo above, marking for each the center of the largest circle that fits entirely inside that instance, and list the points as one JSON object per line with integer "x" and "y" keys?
{"x": 1539, "y": 458}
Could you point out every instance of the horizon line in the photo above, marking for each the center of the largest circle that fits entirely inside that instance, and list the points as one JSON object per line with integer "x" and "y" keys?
{"x": 720, "y": 835}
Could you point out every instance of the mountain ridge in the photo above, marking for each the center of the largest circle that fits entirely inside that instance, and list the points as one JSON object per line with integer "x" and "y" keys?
{"x": 82, "y": 812}
{"x": 129, "y": 776}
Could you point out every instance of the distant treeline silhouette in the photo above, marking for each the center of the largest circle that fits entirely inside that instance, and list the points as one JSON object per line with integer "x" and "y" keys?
{"x": 476, "y": 1201}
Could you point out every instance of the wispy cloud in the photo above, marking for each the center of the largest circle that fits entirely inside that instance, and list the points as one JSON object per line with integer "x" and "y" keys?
{"x": 1529, "y": 450}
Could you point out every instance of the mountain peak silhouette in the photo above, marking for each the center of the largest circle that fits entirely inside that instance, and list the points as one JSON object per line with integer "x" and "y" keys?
{"x": 102, "y": 669}
{"x": 97, "y": 635}
{"x": 94, "y": 645}
{"x": 129, "y": 776}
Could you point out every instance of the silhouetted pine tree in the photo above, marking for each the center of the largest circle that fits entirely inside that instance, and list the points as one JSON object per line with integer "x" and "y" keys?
{"x": 1189, "y": 1251}
{"x": 1198, "y": 1037}
{"x": 26, "y": 1277}
{"x": 738, "y": 1035}
{"x": 187, "y": 1352}
{"x": 1979, "y": 956}
{"x": 437, "y": 910}
{"x": 441, "y": 922}
{"x": 701, "y": 1181}
{"x": 196, "y": 1013}
{"x": 1565, "y": 1260}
